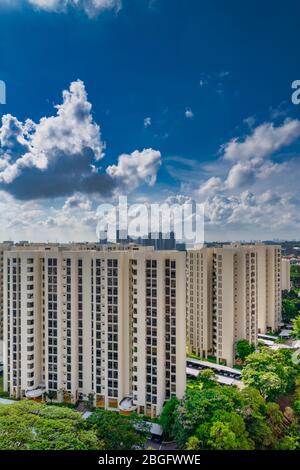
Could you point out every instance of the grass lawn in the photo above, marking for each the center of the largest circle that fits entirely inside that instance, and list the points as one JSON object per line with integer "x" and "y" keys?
{"x": 208, "y": 359}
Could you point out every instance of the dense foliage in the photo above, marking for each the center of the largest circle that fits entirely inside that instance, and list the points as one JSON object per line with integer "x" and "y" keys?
{"x": 295, "y": 274}
{"x": 290, "y": 304}
{"x": 296, "y": 327}
{"x": 117, "y": 431}
{"x": 243, "y": 349}
{"x": 27, "y": 425}
{"x": 211, "y": 416}
{"x": 272, "y": 372}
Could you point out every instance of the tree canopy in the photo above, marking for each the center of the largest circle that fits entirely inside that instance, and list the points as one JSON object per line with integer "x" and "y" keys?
{"x": 211, "y": 416}
{"x": 117, "y": 431}
{"x": 243, "y": 349}
{"x": 296, "y": 327}
{"x": 27, "y": 425}
{"x": 271, "y": 372}
{"x": 290, "y": 304}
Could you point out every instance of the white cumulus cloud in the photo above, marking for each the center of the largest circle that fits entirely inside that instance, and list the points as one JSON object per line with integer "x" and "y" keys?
{"x": 211, "y": 186}
{"x": 136, "y": 168}
{"x": 55, "y": 155}
{"x": 248, "y": 190}
{"x": 60, "y": 155}
{"x": 264, "y": 140}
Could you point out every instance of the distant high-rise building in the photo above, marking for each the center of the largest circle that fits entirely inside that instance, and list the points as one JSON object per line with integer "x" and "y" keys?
{"x": 158, "y": 241}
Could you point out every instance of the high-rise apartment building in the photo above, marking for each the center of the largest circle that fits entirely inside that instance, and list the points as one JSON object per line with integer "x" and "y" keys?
{"x": 285, "y": 274}
{"x": 198, "y": 300}
{"x": 25, "y": 245}
{"x": 3, "y": 247}
{"x": 108, "y": 324}
{"x": 221, "y": 300}
{"x": 234, "y": 300}
{"x": 269, "y": 292}
{"x": 233, "y": 292}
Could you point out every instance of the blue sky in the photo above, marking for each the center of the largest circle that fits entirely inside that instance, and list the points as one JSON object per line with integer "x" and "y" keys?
{"x": 171, "y": 84}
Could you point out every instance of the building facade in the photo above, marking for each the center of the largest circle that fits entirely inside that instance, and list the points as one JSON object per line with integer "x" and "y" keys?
{"x": 198, "y": 301}
{"x": 5, "y": 246}
{"x": 233, "y": 293}
{"x": 285, "y": 274}
{"x": 105, "y": 325}
{"x": 269, "y": 292}
{"x": 111, "y": 323}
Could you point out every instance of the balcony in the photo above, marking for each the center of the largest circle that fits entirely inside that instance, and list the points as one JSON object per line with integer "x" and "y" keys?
{"x": 34, "y": 394}
{"x": 126, "y": 406}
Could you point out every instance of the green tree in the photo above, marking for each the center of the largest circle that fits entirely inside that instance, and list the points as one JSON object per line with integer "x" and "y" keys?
{"x": 195, "y": 412}
{"x": 271, "y": 372}
{"x": 296, "y": 327}
{"x": 236, "y": 426}
{"x": 255, "y": 411}
{"x": 289, "y": 309}
{"x": 207, "y": 377}
{"x": 243, "y": 349}
{"x": 268, "y": 383}
{"x": 193, "y": 443}
{"x": 288, "y": 443}
{"x": 290, "y": 304}
{"x": 119, "y": 432}
{"x": 275, "y": 420}
{"x": 211, "y": 416}
{"x": 228, "y": 432}
{"x": 295, "y": 274}
{"x": 32, "y": 426}
{"x": 296, "y": 407}
{"x": 168, "y": 418}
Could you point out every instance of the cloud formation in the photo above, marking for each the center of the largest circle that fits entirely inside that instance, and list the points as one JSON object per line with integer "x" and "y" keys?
{"x": 91, "y": 7}
{"x": 77, "y": 201}
{"x": 250, "y": 160}
{"x": 248, "y": 210}
{"x": 136, "y": 168}
{"x": 249, "y": 186}
{"x": 189, "y": 113}
{"x": 55, "y": 156}
{"x": 264, "y": 141}
{"x": 60, "y": 155}
{"x": 147, "y": 122}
